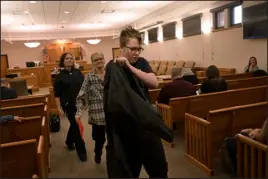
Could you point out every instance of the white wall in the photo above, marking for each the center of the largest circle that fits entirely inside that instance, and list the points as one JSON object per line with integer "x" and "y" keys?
{"x": 18, "y": 53}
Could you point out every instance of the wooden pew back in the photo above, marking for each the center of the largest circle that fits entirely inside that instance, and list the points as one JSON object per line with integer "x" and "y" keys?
{"x": 201, "y": 104}
{"x": 28, "y": 128}
{"x": 52, "y": 107}
{"x": 154, "y": 93}
{"x": 251, "y": 157}
{"x": 25, "y": 110}
{"x": 24, "y": 100}
{"x": 247, "y": 82}
{"x": 230, "y": 121}
{"x": 22, "y": 159}
{"x": 205, "y": 137}
{"x": 231, "y": 76}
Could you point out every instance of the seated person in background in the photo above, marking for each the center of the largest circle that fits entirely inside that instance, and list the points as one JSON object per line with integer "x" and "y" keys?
{"x": 189, "y": 76}
{"x": 177, "y": 88}
{"x": 6, "y": 91}
{"x": 213, "y": 83}
{"x": 260, "y": 135}
{"x": 252, "y": 65}
{"x": 4, "y": 119}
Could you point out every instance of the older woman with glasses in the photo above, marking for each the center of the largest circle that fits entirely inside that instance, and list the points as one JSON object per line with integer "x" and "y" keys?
{"x": 91, "y": 96}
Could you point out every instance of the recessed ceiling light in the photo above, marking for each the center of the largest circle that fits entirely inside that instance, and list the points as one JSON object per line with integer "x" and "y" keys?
{"x": 103, "y": 2}
{"x": 66, "y": 12}
{"x": 107, "y": 11}
{"x": 32, "y": 2}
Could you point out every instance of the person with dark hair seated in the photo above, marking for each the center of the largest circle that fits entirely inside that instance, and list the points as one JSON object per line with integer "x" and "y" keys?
{"x": 213, "y": 82}
{"x": 6, "y": 91}
{"x": 230, "y": 146}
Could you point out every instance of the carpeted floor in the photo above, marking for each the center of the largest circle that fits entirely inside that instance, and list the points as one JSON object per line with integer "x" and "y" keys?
{"x": 66, "y": 164}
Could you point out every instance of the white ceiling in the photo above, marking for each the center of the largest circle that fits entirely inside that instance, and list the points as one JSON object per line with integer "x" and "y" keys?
{"x": 84, "y": 17}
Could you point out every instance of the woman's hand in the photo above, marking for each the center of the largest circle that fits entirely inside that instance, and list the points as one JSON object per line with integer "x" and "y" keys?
{"x": 77, "y": 118}
{"x": 254, "y": 133}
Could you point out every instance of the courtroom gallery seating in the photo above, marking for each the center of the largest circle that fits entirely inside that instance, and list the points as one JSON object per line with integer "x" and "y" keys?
{"x": 203, "y": 138}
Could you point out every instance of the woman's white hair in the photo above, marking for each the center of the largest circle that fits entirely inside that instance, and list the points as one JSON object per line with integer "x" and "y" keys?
{"x": 175, "y": 72}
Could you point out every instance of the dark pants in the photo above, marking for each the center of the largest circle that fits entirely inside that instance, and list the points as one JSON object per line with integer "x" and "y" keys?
{"x": 73, "y": 136}
{"x": 148, "y": 151}
{"x": 98, "y": 135}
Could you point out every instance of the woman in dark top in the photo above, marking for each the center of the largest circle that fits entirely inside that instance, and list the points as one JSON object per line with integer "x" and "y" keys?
{"x": 66, "y": 87}
{"x": 213, "y": 83}
{"x": 189, "y": 76}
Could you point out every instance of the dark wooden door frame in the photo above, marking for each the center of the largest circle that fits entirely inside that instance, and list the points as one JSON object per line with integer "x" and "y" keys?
{"x": 6, "y": 59}
{"x": 113, "y": 51}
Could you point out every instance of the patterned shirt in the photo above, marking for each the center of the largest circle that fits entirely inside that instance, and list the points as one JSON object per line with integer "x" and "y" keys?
{"x": 91, "y": 97}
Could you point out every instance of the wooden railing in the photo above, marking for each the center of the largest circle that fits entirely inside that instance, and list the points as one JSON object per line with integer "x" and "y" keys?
{"x": 165, "y": 111}
{"x": 251, "y": 157}
{"x": 205, "y": 137}
{"x": 198, "y": 142}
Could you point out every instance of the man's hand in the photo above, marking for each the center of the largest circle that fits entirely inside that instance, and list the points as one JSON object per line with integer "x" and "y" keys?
{"x": 121, "y": 61}
{"x": 17, "y": 118}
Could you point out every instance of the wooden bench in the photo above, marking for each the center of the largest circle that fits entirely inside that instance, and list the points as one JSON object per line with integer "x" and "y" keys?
{"x": 28, "y": 128}
{"x": 23, "y": 159}
{"x": 247, "y": 82}
{"x": 231, "y": 76}
{"x": 251, "y": 157}
{"x": 24, "y": 100}
{"x": 52, "y": 103}
{"x": 204, "y": 137}
{"x": 199, "y": 105}
{"x": 232, "y": 84}
{"x": 30, "y": 110}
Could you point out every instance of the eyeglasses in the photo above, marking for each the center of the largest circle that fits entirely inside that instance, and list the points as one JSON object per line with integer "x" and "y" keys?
{"x": 135, "y": 49}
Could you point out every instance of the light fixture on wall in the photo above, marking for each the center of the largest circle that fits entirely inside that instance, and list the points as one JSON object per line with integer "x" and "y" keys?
{"x": 93, "y": 41}
{"x": 32, "y": 44}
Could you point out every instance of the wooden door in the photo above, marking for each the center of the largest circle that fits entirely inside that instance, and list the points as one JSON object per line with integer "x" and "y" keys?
{"x": 4, "y": 65}
{"x": 116, "y": 52}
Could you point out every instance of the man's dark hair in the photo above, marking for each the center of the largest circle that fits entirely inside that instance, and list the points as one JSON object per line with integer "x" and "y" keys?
{"x": 62, "y": 58}
{"x": 212, "y": 72}
{"x": 128, "y": 33}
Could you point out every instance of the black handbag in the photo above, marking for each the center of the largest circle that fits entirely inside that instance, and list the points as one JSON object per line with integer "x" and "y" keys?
{"x": 54, "y": 123}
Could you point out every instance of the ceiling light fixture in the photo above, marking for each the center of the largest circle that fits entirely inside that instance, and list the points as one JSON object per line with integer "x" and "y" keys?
{"x": 93, "y": 41}
{"x": 66, "y": 12}
{"x": 32, "y": 44}
{"x": 103, "y": 2}
{"x": 32, "y": 2}
{"x": 107, "y": 11}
